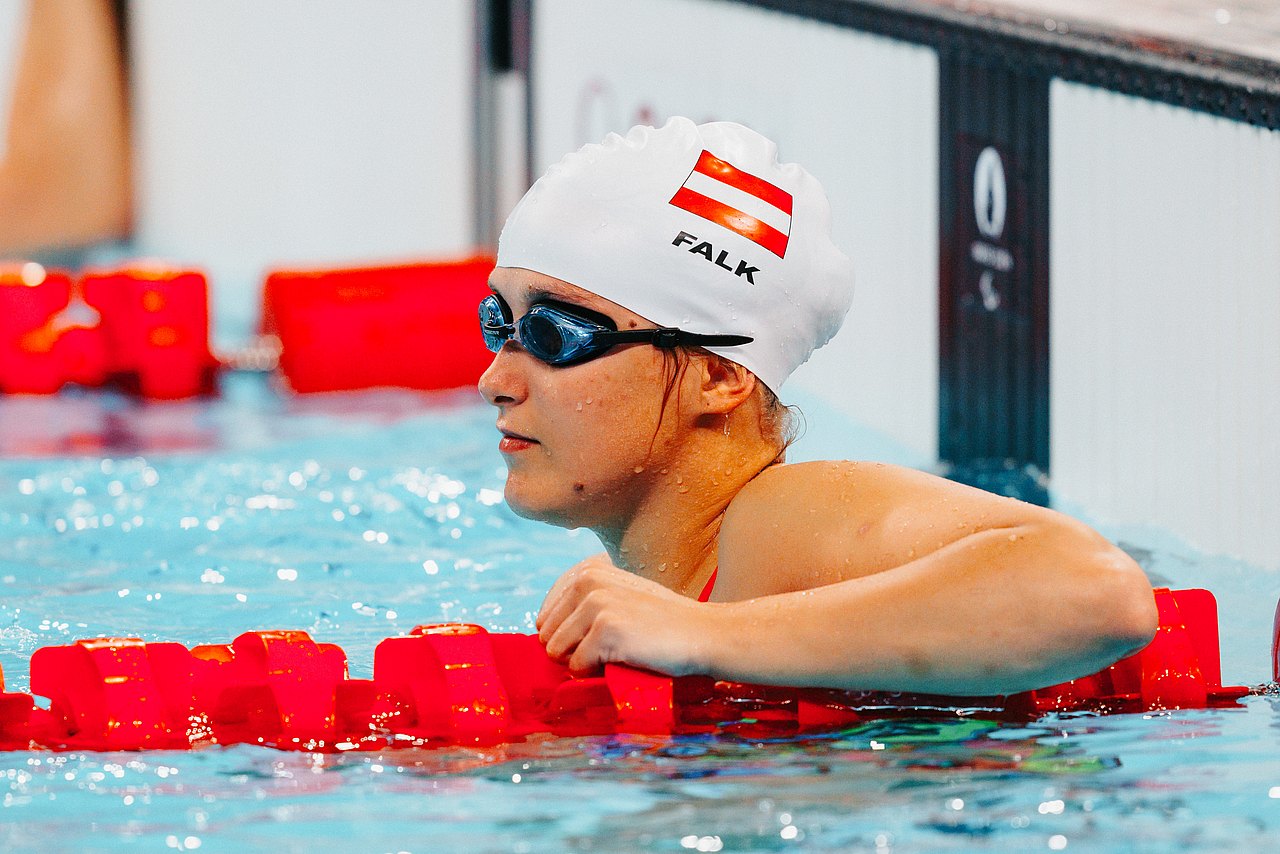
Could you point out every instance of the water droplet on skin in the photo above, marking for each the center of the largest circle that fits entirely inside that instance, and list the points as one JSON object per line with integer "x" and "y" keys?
{"x": 683, "y": 490}
{"x": 662, "y": 568}
{"x": 579, "y": 407}
{"x": 589, "y": 401}
{"x": 679, "y": 479}
{"x": 638, "y": 469}
{"x": 664, "y": 471}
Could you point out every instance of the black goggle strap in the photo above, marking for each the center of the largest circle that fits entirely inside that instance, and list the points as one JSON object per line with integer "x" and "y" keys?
{"x": 668, "y": 338}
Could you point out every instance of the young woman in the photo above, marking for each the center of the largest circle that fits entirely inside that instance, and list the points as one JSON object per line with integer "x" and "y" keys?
{"x": 652, "y": 295}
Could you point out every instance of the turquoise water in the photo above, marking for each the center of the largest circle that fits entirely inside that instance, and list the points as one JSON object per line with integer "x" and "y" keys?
{"x": 356, "y": 517}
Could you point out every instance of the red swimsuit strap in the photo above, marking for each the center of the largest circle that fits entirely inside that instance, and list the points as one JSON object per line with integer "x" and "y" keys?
{"x": 705, "y": 595}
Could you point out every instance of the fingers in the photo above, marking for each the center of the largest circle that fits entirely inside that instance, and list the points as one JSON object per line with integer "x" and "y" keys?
{"x": 555, "y": 608}
{"x": 574, "y": 578}
{"x": 587, "y": 658}
{"x": 579, "y": 639}
{"x": 562, "y": 634}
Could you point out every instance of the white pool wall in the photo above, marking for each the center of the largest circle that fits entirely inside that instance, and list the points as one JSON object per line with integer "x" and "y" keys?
{"x": 1165, "y": 319}
{"x": 300, "y": 132}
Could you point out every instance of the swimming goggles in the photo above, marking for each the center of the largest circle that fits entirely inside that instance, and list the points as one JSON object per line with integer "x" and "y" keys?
{"x": 563, "y": 336}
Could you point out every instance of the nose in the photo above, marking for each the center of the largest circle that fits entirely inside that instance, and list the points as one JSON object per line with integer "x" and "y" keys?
{"x": 504, "y": 382}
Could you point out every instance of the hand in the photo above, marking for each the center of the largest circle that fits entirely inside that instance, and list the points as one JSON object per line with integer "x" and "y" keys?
{"x": 596, "y": 613}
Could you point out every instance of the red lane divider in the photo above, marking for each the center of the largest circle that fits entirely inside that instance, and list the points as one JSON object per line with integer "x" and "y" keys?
{"x": 145, "y": 329}
{"x": 412, "y": 325}
{"x": 458, "y": 684}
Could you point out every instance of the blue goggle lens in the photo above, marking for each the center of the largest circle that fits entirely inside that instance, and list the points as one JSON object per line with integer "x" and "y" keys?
{"x": 554, "y": 336}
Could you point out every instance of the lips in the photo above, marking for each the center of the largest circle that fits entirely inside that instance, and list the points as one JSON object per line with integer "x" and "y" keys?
{"x": 513, "y": 442}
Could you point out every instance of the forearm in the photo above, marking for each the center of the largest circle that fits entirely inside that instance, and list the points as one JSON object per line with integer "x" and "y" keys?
{"x": 1000, "y": 611}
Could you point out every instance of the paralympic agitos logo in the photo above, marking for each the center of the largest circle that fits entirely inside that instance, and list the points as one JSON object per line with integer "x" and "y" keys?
{"x": 749, "y": 206}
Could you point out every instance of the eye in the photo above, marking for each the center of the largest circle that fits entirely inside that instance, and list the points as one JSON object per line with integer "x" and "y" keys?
{"x": 580, "y": 312}
{"x": 541, "y": 334}
{"x": 494, "y": 311}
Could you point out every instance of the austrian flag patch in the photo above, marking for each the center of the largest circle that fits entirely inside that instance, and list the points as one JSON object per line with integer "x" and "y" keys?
{"x": 739, "y": 201}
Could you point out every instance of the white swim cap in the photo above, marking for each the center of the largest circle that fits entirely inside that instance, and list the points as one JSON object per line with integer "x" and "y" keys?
{"x": 697, "y": 227}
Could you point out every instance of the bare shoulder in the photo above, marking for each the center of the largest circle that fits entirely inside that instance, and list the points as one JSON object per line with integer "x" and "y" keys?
{"x": 805, "y": 525}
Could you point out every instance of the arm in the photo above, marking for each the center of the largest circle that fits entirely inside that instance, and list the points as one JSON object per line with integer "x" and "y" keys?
{"x": 882, "y": 579}
{"x": 64, "y": 173}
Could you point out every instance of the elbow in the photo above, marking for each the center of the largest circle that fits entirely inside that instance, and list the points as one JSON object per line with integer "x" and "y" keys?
{"x": 1122, "y": 604}
{"x": 1105, "y": 609}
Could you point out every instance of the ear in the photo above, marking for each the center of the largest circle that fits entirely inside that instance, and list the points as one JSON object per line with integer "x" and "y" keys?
{"x": 725, "y": 385}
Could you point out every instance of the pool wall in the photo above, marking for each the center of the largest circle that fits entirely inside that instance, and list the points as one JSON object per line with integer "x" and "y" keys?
{"x": 1066, "y": 232}
{"x": 300, "y": 134}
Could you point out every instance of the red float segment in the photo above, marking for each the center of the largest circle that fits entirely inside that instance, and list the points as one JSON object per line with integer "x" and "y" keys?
{"x": 115, "y": 693}
{"x": 1171, "y": 673}
{"x": 155, "y": 322}
{"x": 582, "y": 707}
{"x": 1198, "y": 614}
{"x": 452, "y": 680}
{"x": 645, "y": 701}
{"x": 412, "y": 325}
{"x": 531, "y": 680}
{"x": 275, "y": 687}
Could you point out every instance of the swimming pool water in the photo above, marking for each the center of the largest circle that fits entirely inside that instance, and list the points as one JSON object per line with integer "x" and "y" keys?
{"x": 356, "y": 517}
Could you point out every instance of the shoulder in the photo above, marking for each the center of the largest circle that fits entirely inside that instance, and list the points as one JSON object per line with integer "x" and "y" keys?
{"x": 783, "y": 529}
{"x": 844, "y": 490}
{"x": 805, "y": 525}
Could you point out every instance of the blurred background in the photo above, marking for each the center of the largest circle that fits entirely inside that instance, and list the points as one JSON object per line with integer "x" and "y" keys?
{"x": 1117, "y": 325}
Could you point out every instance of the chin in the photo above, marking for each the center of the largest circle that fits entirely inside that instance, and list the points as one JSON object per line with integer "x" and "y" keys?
{"x": 526, "y": 508}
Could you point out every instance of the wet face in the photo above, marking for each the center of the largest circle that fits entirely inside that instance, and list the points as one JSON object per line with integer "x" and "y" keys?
{"x": 581, "y": 442}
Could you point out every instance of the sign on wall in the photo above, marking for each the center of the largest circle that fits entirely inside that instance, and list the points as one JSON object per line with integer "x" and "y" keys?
{"x": 994, "y": 347}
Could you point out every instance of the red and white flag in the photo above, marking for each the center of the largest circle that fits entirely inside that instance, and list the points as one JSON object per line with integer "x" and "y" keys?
{"x": 739, "y": 201}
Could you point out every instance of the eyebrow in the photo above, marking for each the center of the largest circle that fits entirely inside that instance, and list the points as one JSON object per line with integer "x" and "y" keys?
{"x": 539, "y": 295}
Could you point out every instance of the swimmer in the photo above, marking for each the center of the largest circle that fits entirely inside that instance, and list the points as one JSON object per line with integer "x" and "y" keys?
{"x": 652, "y": 295}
